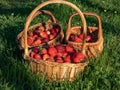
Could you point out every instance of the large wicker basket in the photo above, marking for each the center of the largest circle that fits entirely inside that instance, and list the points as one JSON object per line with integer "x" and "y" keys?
{"x": 55, "y": 71}
{"x": 45, "y": 25}
{"x": 93, "y": 49}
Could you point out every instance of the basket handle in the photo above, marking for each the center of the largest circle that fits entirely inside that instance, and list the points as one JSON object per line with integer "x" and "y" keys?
{"x": 45, "y": 12}
{"x": 99, "y": 21}
{"x": 85, "y": 13}
{"x": 29, "y": 19}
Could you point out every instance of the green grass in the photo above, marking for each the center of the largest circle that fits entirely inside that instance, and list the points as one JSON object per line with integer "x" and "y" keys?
{"x": 101, "y": 74}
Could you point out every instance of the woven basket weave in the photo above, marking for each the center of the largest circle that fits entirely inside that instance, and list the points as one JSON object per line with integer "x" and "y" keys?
{"x": 55, "y": 71}
{"x": 47, "y": 25}
{"x": 93, "y": 49}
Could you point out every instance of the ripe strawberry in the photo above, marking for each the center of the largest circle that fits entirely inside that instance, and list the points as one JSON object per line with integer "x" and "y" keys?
{"x": 30, "y": 34}
{"x": 37, "y": 42}
{"x": 77, "y": 39}
{"x": 44, "y": 51}
{"x": 69, "y": 48}
{"x": 51, "y": 36}
{"x": 45, "y": 56}
{"x": 59, "y": 54}
{"x": 37, "y": 31}
{"x": 47, "y": 32}
{"x": 37, "y": 56}
{"x": 67, "y": 59}
{"x": 35, "y": 37}
{"x": 72, "y": 37}
{"x": 45, "y": 40}
{"x": 88, "y": 38}
{"x": 80, "y": 36}
{"x": 78, "y": 57}
{"x": 59, "y": 60}
{"x": 60, "y": 48}
{"x": 32, "y": 54}
{"x": 49, "y": 59}
{"x": 29, "y": 41}
{"x": 44, "y": 35}
{"x": 36, "y": 50}
{"x": 53, "y": 32}
{"x": 56, "y": 30}
{"x": 52, "y": 51}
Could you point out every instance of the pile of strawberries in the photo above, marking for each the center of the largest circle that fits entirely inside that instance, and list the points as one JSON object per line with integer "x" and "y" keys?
{"x": 37, "y": 36}
{"x": 79, "y": 38}
{"x": 57, "y": 53}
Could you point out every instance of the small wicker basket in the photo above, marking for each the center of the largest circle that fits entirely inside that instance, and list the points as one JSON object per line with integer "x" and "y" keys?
{"x": 55, "y": 71}
{"x": 93, "y": 49}
{"x": 51, "y": 23}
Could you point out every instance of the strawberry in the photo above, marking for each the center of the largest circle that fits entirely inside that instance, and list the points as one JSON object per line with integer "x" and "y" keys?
{"x": 51, "y": 36}
{"x": 30, "y": 34}
{"x": 53, "y": 32}
{"x": 77, "y": 39}
{"x": 60, "y": 48}
{"x": 88, "y": 38}
{"x": 59, "y": 54}
{"x": 37, "y": 31}
{"x": 29, "y": 41}
{"x": 35, "y": 37}
{"x": 32, "y": 54}
{"x": 44, "y": 51}
{"x": 52, "y": 51}
{"x": 45, "y": 40}
{"x": 77, "y": 57}
{"x": 45, "y": 56}
{"x": 80, "y": 36}
{"x": 36, "y": 50}
{"x": 59, "y": 60}
{"x": 37, "y": 42}
{"x": 72, "y": 37}
{"x": 69, "y": 48}
{"x": 44, "y": 35}
{"x": 67, "y": 59}
{"x": 47, "y": 32}
{"x": 37, "y": 56}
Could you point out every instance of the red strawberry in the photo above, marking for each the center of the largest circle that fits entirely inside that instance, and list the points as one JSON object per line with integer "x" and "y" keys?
{"x": 44, "y": 35}
{"x": 59, "y": 54}
{"x": 67, "y": 59}
{"x": 53, "y": 32}
{"x": 45, "y": 56}
{"x": 36, "y": 50}
{"x": 77, "y": 39}
{"x": 80, "y": 36}
{"x": 60, "y": 48}
{"x": 30, "y": 34}
{"x": 52, "y": 51}
{"x": 51, "y": 36}
{"x": 37, "y": 42}
{"x": 37, "y": 56}
{"x": 69, "y": 48}
{"x": 37, "y": 31}
{"x": 44, "y": 51}
{"x": 47, "y": 32}
{"x": 88, "y": 38}
{"x": 72, "y": 37}
{"x": 59, "y": 60}
{"x": 32, "y": 54}
{"x": 29, "y": 41}
{"x": 78, "y": 57}
{"x": 35, "y": 37}
{"x": 45, "y": 40}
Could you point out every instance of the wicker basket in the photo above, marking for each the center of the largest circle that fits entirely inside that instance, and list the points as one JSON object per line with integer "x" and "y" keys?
{"x": 51, "y": 23}
{"x": 55, "y": 71}
{"x": 94, "y": 48}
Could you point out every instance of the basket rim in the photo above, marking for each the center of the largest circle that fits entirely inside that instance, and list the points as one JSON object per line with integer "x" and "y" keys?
{"x": 87, "y": 44}
{"x": 59, "y": 64}
{"x": 21, "y": 34}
